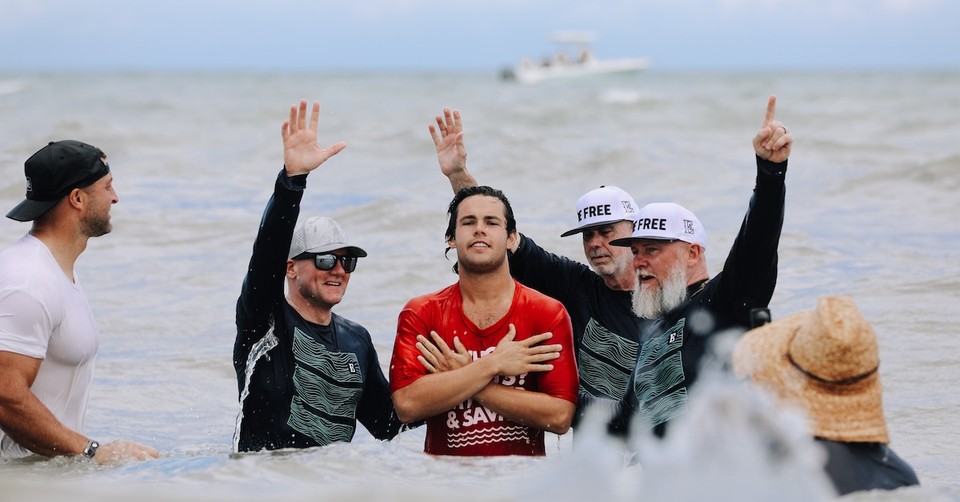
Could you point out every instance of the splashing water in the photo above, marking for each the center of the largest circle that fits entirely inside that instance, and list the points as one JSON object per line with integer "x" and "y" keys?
{"x": 260, "y": 349}
{"x": 735, "y": 442}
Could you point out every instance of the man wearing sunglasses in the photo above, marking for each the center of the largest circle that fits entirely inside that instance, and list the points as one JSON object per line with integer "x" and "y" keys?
{"x": 305, "y": 374}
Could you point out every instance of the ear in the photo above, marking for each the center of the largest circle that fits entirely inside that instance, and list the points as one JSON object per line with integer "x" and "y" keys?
{"x": 76, "y": 198}
{"x": 513, "y": 241}
{"x": 291, "y": 269}
{"x": 694, "y": 253}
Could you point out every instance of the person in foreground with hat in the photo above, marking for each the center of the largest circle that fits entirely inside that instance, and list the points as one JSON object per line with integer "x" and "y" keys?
{"x": 305, "y": 374}
{"x": 501, "y": 386}
{"x": 48, "y": 335}
{"x": 598, "y": 297}
{"x": 674, "y": 287}
{"x": 826, "y": 362}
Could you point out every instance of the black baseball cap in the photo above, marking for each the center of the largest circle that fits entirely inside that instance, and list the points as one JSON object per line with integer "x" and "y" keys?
{"x": 54, "y": 171}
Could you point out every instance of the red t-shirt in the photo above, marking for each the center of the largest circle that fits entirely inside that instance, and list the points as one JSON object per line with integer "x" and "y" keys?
{"x": 471, "y": 429}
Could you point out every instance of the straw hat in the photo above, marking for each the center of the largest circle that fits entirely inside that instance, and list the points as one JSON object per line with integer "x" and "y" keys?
{"x": 826, "y": 361}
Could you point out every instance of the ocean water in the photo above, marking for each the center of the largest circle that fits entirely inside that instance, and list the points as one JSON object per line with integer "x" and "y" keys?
{"x": 872, "y": 212}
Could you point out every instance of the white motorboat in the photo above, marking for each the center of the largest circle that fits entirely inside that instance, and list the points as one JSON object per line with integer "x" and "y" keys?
{"x": 564, "y": 65}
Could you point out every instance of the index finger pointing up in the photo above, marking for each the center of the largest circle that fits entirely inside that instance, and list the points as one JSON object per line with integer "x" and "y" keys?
{"x": 771, "y": 111}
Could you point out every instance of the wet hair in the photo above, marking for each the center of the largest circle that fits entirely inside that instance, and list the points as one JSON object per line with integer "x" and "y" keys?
{"x": 465, "y": 192}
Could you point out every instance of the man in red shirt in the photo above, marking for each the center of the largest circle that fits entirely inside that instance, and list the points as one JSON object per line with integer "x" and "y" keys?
{"x": 498, "y": 388}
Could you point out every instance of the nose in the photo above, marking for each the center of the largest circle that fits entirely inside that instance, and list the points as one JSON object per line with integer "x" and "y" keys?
{"x": 592, "y": 239}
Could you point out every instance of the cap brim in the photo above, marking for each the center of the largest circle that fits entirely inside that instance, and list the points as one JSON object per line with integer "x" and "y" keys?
{"x": 627, "y": 241}
{"x": 351, "y": 250}
{"x": 587, "y": 227}
{"x": 29, "y": 210}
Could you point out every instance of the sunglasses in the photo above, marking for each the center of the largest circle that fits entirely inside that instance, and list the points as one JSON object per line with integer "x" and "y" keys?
{"x": 326, "y": 261}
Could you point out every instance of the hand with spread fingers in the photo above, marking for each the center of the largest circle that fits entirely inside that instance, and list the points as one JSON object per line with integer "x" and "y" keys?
{"x": 301, "y": 152}
{"x": 773, "y": 141}
{"x": 451, "y": 153}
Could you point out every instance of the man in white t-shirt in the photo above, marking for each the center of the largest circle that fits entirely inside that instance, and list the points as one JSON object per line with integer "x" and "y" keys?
{"x": 48, "y": 334}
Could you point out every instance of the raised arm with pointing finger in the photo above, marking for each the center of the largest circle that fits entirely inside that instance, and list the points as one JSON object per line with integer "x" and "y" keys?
{"x": 675, "y": 289}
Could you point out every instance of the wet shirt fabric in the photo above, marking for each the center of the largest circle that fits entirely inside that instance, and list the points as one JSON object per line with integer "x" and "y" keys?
{"x": 673, "y": 349}
{"x": 856, "y": 467}
{"x": 45, "y": 316}
{"x": 606, "y": 333}
{"x": 308, "y": 384}
{"x": 471, "y": 429}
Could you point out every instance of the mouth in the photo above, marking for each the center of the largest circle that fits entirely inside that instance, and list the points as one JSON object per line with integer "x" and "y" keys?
{"x": 480, "y": 245}
{"x": 335, "y": 284}
{"x": 599, "y": 257}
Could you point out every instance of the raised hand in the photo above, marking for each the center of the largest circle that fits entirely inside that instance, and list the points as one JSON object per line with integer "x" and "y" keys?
{"x": 451, "y": 153}
{"x": 301, "y": 152}
{"x": 773, "y": 141}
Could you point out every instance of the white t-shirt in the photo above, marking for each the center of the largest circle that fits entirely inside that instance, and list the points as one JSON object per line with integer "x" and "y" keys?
{"x": 46, "y": 316}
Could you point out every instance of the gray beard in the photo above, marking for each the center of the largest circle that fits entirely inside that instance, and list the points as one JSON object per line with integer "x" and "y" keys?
{"x": 650, "y": 303}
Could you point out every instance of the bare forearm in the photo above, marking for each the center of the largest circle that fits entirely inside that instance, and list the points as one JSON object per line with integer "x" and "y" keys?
{"x": 439, "y": 392}
{"x": 28, "y": 422}
{"x": 461, "y": 179}
{"x": 531, "y": 408}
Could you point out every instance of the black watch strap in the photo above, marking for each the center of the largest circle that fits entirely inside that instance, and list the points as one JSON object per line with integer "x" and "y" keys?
{"x": 91, "y": 449}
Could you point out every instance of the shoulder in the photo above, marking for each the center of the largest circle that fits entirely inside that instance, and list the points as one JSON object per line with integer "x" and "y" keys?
{"x": 531, "y": 252}
{"x": 344, "y": 323}
{"x": 28, "y": 267}
{"x": 534, "y": 297}
{"x": 436, "y": 298}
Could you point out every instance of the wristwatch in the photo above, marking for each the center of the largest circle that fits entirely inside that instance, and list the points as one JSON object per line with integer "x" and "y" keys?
{"x": 91, "y": 449}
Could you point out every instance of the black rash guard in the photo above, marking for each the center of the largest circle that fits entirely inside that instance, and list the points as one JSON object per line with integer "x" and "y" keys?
{"x": 310, "y": 383}
{"x": 856, "y": 467}
{"x": 673, "y": 349}
{"x": 606, "y": 332}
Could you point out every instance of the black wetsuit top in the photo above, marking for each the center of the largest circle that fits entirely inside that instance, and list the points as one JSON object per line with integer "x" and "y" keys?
{"x": 673, "y": 349}
{"x": 606, "y": 332}
{"x": 865, "y": 466}
{"x": 311, "y": 383}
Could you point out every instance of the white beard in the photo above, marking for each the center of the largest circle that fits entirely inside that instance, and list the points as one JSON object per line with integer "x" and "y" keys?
{"x": 650, "y": 302}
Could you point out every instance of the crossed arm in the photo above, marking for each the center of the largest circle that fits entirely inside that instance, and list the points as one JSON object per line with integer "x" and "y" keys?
{"x": 453, "y": 377}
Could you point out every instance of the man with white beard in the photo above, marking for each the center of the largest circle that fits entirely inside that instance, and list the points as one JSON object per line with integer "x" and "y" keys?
{"x": 674, "y": 287}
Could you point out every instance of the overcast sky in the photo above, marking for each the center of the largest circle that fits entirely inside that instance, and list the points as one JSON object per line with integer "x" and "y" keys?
{"x": 480, "y": 34}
